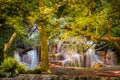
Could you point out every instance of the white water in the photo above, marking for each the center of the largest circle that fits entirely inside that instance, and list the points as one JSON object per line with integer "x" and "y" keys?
{"x": 71, "y": 58}
{"x": 74, "y": 59}
{"x": 30, "y": 59}
{"x": 91, "y": 57}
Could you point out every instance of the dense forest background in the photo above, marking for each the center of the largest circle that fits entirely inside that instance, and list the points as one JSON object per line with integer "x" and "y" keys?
{"x": 97, "y": 19}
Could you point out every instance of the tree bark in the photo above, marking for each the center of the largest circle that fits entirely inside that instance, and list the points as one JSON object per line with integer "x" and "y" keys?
{"x": 44, "y": 64}
{"x": 111, "y": 39}
{"x": 7, "y": 45}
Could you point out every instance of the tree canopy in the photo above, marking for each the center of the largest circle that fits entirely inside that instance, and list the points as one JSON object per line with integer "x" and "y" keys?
{"x": 62, "y": 19}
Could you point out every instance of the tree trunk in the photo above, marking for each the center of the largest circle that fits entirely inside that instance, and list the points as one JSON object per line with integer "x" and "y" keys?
{"x": 7, "y": 45}
{"x": 44, "y": 64}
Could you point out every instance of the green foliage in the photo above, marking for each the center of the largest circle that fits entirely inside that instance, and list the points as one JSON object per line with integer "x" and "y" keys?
{"x": 115, "y": 31}
{"x": 16, "y": 22}
{"x": 74, "y": 18}
{"x": 11, "y": 66}
{"x": 61, "y": 18}
{"x": 5, "y": 34}
{"x": 21, "y": 68}
{"x": 13, "y": 18}
{"x": 87, "y": 17}
{"x": 33, "y": 39}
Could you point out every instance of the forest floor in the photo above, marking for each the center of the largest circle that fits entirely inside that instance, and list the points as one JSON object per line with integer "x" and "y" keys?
{"x": 88, "y": 72}
{"x": 73, "y": 73}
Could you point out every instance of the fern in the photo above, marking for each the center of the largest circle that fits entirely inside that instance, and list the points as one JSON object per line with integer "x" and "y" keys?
{"x": 11, "y": 66}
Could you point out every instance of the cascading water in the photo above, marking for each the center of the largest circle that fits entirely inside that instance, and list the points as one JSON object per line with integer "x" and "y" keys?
{"x": 69, "y": 57}
{"x": 90, "y": 57}
{"x": 73, "y": 59}
{"x": 30, "y": 59}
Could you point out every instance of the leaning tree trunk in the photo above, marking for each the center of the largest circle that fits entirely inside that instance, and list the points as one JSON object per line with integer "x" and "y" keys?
{"x": 44, "y": 64}
{"x": 7, "y": 45}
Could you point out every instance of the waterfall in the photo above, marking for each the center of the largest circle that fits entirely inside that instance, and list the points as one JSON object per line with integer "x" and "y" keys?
{"x": 74, "y": 59}
{"x": 71, "y": 58}
{"x": 90, "y": 56}
{"x": 30, "y": 59}
{"x": 34, "y": 60}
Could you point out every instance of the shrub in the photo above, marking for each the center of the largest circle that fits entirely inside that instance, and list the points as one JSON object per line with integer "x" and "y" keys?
{"x": 11, "y": 66}
{"x": 21, "y": 68}
{"x": 1, "y": 71}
